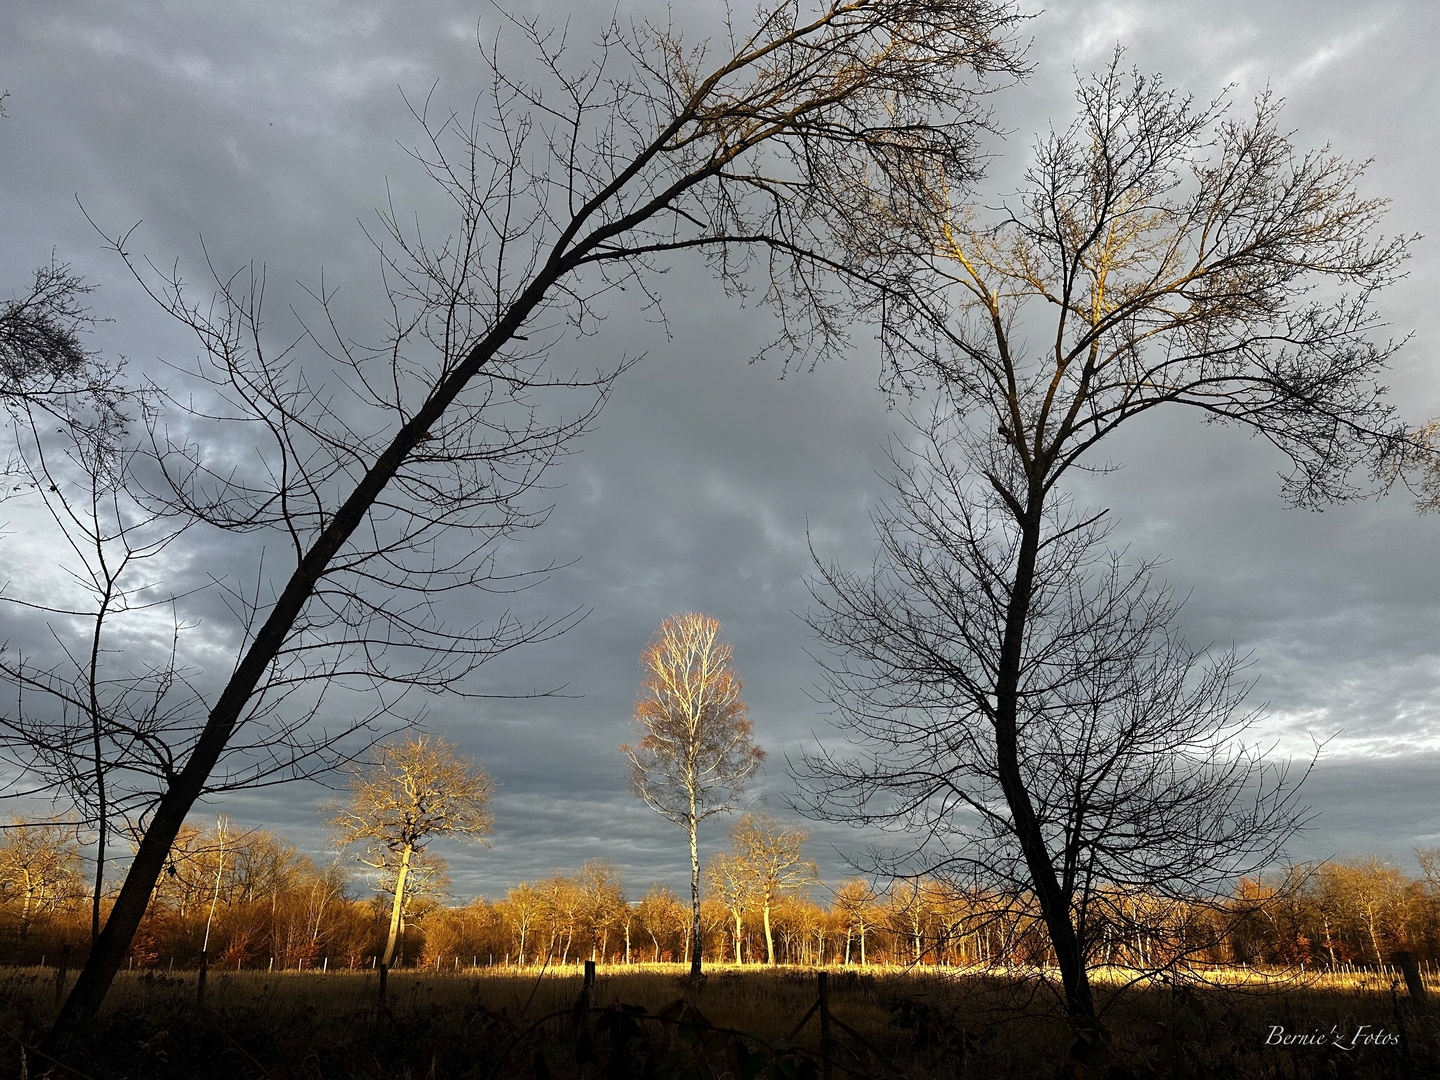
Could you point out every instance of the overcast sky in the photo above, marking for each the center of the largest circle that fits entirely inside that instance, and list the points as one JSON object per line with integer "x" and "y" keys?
{"x": 270, "y": 128}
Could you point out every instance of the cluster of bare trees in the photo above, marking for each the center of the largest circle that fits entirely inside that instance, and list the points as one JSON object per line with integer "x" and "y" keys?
{"x": 250, "y": 899}
{"x": 247, "y": 897}
{"x": 1355, "y": 911}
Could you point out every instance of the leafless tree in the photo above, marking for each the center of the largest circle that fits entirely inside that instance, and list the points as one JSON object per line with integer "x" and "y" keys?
{"x": 659, "y": 912}
{"x": 522, "y": 907}
{"x": 695, "y": 753}
{"x": 855, "y": 901}
{"x": 732, "y": 888}
{"x": 1158, "y": 253}
{"x": 602, "y": 903}
{"x": 581, "y": 181}
{"x": 44, "y": 360}
{"x": 1129, "y": 747}
{"x": 1429, "y": 860}
{"x": 99, "y": 717}
{"x": 39, "y": 868}
{"x": 772, "y": 858}
{"x": 417, "y": 791}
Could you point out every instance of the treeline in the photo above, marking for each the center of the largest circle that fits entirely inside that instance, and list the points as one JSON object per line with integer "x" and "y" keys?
{"x": 252, "y": 900}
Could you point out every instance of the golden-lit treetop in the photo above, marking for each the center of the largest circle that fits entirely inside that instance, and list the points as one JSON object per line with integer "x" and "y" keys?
{"x": 771, "y": 855}
{"x": 695, "y": 753}
{"x": 414, "y": 792}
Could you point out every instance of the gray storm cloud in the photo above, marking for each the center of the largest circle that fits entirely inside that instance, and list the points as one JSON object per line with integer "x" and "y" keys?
{"x": 273, "y": 131}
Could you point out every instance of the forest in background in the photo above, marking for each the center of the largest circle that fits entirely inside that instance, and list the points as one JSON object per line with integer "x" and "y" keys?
{"x": 253, "y": 900}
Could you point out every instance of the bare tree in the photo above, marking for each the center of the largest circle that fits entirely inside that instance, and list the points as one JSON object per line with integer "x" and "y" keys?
{"x": 602, "y": 903}
{"x": 732, "y": 888}
{"x": 855, "y": 901}
{"x": 95, "y": 719}
{"x": 772, "y": 858}
{"x": 1161, "y": 253}
{"x": 565, "y": 188}
{"x": 1130, "y": 748}
{"x": 44, "y": 361}
{"x": 39, "y": 868}
{"x": 1429, "y": 860}
{"x": 658, "y": 912}
{"x": 695, "y": 753}
{"x": 522, "y": 907}
{"x": 417, "y": 792}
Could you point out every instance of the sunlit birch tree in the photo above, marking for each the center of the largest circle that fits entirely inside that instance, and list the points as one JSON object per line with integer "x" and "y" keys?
{"x": 695, "y": 752}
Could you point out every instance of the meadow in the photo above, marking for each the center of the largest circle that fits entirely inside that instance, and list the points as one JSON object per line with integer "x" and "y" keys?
{"x": 648, "y": 1021}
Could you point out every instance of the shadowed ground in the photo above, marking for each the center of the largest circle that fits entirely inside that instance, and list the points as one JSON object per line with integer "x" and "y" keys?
{"x": 650, "y": 1022}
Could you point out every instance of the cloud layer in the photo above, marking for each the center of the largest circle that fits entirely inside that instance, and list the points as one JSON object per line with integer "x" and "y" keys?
{"x": 269, "y": 130}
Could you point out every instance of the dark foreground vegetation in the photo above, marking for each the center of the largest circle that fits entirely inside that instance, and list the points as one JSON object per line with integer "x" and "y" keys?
{"x": 653, "y": 1023}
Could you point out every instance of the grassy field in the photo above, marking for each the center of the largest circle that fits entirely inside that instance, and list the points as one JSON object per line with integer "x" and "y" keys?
{"x": 649, "y": 1022}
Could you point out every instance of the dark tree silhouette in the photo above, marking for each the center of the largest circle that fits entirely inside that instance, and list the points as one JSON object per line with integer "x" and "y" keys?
{"x": 581, "y": 181}
{"x": 1157, "y": 254}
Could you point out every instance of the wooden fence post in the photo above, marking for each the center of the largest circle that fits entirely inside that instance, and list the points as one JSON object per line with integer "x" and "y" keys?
{"x": 200, "y": 982}
{"x": 384, "y": 973}
{"x": 60, "y": 973}
{"x": 584, "y": 1022}
{"x": 1413, "y": 982}
{"x": 826, "y": 1067}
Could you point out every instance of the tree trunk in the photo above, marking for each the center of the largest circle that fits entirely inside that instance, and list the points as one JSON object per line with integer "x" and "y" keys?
{"x": 769, "y": 940}
{"x": 101, "y": 836}
{"x": 1374, "y": 937}
{"x": 1054, "y": 901}
{"x": 25, "y": 909}
{"x": 695, "y": 937}
{"x": 398, "y": 905}
{"x": 739, "y": 933}
{"x": 102, "y": 803}
{"x": 108, "y": 953}
{"x": 214, "y": 900}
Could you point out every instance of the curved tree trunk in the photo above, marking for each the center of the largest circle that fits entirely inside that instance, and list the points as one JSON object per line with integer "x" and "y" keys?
{"x": 1054, "y": 900}
{"x": 398, "y": 906}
